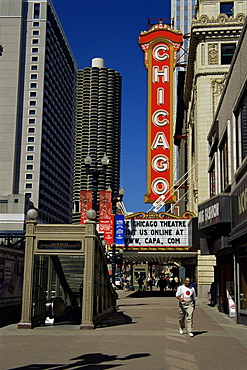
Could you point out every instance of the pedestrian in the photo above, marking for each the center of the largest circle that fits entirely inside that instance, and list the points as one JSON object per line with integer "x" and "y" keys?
{"x": 140, "y": 283}
{"x": 186, "y": 296}
{"x": 162, "y": 284}
{"x": 176, "y": 282}
{"x": 150, "y": 283}
{"x": 212, "y": 294}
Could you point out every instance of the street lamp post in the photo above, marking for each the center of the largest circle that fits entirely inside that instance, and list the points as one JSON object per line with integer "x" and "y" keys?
{"x": 95, "y": 172}
{"x": 131, "y": 287}
{"x": 113, "y": 263}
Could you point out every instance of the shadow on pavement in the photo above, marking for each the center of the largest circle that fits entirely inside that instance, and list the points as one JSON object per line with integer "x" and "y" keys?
{"x": 116, "y": 318}
{"x": 154, "y": 293}
{"x": 89, "y": 361}
{"x": 199, "y": 332}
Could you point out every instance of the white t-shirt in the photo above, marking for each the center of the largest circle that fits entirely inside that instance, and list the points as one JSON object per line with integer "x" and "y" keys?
{"x": 188, "y": 293}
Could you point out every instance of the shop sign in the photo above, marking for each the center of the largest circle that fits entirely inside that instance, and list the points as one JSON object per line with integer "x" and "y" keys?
{"x": 59, "y": 245}
{"x": 214, "y": 211}
{"x": 160, "y": 45}
{"x": 239, "y": 204}
{"x": 156, "y": 234}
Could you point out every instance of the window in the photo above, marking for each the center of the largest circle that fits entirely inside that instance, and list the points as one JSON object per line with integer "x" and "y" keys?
{"x": 227, "y": 51}
{"x": 35, "y": 50}
{"x": 31, "y": 121}
{"x": 224, "y": 173}
{"x": 36, "y": 10}
{"x": 30, "y": 139}
{"x": 30, "y": 148}
{"x": 31, "y": 130}
{"x": 34, "y": 68}
{"x": 227, "y": 9}
{"x": 212, "y": 180}
{"x": 32, "y": 94}
{"x": 36, "y": 33}
{"x": 29, "y": 157}
{"x": 35, "y": 24}
{"x": 29, "y": 176}
{"x": 29, "y": 186}
{"x": 35, "y": 41}
{"x": 241, "y": 130}
{"x": 33, "y": 85}
{"x": 32, "y": 112}
{"x": 32, "y": 103}
{"x": 34, "y": 77}
{"x": 29, "y": 167}
{"x": 34, "y": 59}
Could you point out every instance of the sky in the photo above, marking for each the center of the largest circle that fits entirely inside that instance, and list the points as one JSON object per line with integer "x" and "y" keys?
{"x": 109, "y": 29}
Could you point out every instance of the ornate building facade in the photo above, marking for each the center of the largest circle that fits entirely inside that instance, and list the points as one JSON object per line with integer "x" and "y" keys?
{"x": 222, "y": 218}
{"x": 215, "y": 31}
{"x": 214, "y": 36}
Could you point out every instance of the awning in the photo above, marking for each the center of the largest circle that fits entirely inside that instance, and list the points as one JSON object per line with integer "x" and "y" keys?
{"x": 157, "y": 257}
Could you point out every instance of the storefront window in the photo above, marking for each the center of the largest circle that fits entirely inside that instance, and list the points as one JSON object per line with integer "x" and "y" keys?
{"x": 243, "y": 278}
{"x": 224, "y": 171}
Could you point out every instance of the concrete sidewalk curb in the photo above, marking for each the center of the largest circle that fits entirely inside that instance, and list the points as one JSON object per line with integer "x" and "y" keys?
{"x": 238, "y": 331}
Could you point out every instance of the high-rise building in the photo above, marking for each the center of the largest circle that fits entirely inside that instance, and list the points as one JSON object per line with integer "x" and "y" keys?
{"x": 98, "y": 129}
{"x": 37, "y": 102}
{"x": 182, "y": 12}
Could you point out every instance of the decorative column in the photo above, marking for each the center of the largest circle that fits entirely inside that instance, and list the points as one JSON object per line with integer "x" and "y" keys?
{"x": 205, "y": 273}
{"x": 26, "y": 313}
{"x": 88, "y": 280}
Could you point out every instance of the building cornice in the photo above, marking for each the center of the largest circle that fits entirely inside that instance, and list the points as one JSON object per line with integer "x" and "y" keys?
{"x": 210, "y": 29}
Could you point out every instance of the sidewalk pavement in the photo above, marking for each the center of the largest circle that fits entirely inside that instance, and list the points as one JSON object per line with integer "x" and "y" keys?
{"x": 143, "y": 334}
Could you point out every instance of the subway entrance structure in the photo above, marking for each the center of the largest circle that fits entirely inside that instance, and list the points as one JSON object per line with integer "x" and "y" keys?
{"x": 75, "y": 255}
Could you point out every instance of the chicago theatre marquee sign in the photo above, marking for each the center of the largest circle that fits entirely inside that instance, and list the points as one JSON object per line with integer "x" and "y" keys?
{"x": 160, "y": 45}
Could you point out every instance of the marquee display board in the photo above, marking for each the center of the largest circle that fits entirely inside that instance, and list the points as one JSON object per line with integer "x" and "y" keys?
{"x": 167, "y": 234}
{"x": 160, "y": 45}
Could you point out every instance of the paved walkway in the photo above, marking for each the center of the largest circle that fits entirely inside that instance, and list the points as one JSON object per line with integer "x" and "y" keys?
{"x": 143, "y": 334}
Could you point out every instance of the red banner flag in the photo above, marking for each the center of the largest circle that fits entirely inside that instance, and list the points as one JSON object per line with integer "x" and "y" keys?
{"x": 86, "y": 203}
{"x": 109, "y": 233}
{"x": 105, "y": 210}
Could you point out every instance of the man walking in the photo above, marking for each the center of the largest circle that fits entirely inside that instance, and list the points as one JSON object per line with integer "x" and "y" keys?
{"x": 186, "y": 296}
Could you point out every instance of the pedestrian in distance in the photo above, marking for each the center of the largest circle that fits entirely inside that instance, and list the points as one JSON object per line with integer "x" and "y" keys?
{"x": 150, "y": 283}
{"x": 162, "y": 284}
{"x": 186, "y": 296}
{"x": 140, "y": 282}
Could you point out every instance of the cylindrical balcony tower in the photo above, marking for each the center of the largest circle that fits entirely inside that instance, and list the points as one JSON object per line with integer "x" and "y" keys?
{"x": 98, "y": 128}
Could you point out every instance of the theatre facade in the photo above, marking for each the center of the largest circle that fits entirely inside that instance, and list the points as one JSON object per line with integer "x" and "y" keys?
{"x": 222, "y": 219}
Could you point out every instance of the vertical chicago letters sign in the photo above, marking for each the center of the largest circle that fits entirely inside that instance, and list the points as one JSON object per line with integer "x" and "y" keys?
{"x": 160, "y": 45}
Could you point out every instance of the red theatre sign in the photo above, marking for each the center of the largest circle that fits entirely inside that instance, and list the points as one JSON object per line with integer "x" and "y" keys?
{"x": 160, "y": 45}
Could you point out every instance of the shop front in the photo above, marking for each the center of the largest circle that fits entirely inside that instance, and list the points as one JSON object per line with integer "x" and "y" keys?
{"x": 214, "y": 222}
{"x": 238, "y": 239}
